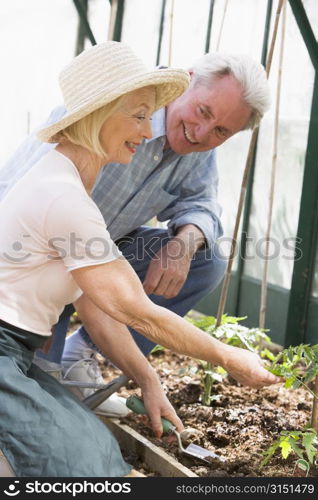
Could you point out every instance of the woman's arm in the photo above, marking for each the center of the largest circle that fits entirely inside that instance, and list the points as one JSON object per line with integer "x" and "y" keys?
{"x": 115, "y": 288}
{"x": 116, "y": 342}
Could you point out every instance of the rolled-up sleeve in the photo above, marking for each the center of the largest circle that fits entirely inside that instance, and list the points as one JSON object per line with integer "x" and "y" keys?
{"x": 197, "y": 200}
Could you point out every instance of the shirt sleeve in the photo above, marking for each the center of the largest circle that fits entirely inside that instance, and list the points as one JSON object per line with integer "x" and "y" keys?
{"x": 197, "y": 201}
{"x": 76, "y": 232}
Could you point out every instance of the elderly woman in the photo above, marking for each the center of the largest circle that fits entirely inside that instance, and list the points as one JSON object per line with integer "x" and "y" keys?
{"x": 55, "y": 250}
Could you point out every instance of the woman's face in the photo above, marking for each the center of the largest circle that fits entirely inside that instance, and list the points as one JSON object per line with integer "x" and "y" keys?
{"x": 122, "y": 133}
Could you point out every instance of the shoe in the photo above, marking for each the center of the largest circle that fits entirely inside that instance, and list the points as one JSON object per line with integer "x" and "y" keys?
{"x": 87, "y": 370}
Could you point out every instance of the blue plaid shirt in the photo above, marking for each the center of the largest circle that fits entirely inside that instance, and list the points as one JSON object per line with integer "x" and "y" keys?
{"x": 181, "y": 189}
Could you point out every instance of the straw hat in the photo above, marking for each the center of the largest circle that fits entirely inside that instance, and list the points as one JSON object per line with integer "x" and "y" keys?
{"x": 105, "y": 72}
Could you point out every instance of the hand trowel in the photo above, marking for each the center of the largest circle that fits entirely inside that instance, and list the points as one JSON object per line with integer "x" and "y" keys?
{"x": 137, "y": 406}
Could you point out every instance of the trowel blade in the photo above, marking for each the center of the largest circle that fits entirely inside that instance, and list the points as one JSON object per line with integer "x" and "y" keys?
{"x": 202, "y": 453}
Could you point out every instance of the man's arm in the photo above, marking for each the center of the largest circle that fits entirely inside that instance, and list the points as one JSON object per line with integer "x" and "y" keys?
{"x": 194, "y": 223}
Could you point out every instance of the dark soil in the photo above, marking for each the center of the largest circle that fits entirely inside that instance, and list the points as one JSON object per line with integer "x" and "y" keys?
{"x": 239, "y": 425}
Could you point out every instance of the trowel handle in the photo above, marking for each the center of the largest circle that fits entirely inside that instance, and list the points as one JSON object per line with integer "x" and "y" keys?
{"x": 137, "y": 406}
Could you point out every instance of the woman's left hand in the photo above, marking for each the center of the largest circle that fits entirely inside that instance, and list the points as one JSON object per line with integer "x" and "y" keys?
{"x": 157, "y": 406}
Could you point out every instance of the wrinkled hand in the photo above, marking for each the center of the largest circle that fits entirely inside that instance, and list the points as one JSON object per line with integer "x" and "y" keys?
{"x": 247, "y": 368}
{"x": 168, "y": 270}
{"x": 157, "y": 406}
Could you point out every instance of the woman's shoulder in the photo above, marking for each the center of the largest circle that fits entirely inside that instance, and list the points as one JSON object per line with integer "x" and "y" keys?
{"x": 55, "y": 175}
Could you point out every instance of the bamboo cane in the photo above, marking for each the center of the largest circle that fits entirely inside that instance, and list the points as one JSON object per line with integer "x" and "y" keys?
{"x": 222, "y": 25}
{"x": 263, "y": 304}
{"x": 314, "y": 415}
{"x": 155, "y": 221}
{"x": 112, "y": 19}
{"x": 171, "y": 32}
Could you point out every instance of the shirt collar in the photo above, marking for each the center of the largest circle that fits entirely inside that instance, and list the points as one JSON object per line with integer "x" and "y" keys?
{"x": 158, "y": 125}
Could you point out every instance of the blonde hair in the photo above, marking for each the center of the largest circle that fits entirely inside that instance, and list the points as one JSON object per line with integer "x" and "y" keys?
{"x": 86, "y": 131}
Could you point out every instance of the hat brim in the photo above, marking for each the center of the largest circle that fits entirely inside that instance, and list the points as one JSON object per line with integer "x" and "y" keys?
{"x": 169, "y": 83}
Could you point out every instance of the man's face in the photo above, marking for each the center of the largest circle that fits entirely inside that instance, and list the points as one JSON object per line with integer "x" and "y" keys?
{"x": 204, "y": 117}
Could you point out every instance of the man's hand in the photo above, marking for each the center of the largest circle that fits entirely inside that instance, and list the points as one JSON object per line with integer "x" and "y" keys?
{"x": 247, "y": 368}
{"x": 157, "y": 406}
{"x": 168, "y": 270}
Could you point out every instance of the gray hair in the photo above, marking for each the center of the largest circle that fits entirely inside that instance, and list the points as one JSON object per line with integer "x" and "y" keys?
{"x": 249, "y": 74}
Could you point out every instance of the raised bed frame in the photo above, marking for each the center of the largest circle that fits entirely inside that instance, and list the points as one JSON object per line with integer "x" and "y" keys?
{"x": 157, "y": 460}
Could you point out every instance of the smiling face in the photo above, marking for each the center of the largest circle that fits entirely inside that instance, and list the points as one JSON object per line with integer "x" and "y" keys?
{"x": 204, "y": 117}
{"x": 125, "y": 129}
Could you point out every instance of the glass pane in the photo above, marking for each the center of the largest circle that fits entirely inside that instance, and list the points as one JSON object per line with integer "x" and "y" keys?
{"x": 36, "y": 38}
{"x": 245, "y": 36}
{"x": 141, "y": 28}
{"x": 312, "y": 13}
{"x": 296, "y": 96}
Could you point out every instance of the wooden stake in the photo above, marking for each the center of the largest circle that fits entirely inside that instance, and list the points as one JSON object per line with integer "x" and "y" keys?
{"x": 221, "y": 27}
{"x": 112, "y": 19}
{"x": 314, "y": 415}
{"x": 171, "y": 33}
{"x": 226, "y": 282}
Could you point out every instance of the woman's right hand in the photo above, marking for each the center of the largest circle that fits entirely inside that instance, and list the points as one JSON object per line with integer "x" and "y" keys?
{"x": 247, "y": 368}
{"x": 158, "y": 405}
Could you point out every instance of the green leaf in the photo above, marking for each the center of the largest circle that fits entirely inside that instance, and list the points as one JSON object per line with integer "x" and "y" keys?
{"x": 290, "y": 353}
{"x": 296, "y": 448}
{"x": 232, "y": 319}
{"x": 269, "y": 453}
{"x": 297, "y": 383}
{"x": 245, "y": 342}
{"x": 285, "y": 447}
{"x": 308, "y": 443}
{"x": 309, "y": 354}
{"x": 266, "y": 353}
{"x": 221, "y": 370}
{"x": 289, "y": 382}
{"x": 157, "y": 348}
{"x": 311, "y": 374}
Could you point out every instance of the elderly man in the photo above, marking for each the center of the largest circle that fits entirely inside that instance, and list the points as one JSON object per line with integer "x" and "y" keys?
{"x": 172, "y": 176}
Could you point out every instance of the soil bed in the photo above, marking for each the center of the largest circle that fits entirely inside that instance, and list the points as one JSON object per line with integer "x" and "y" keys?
{"x": 239, "y": 425}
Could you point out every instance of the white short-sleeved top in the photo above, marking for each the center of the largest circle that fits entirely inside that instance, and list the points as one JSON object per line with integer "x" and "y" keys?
{"x": 49, "y": 226}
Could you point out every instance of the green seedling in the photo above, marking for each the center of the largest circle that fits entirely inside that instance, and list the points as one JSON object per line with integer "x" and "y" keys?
{"x": 303, "y": 444}
{"x": 298, "y": 365}
{"x": 232, "y": 333}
